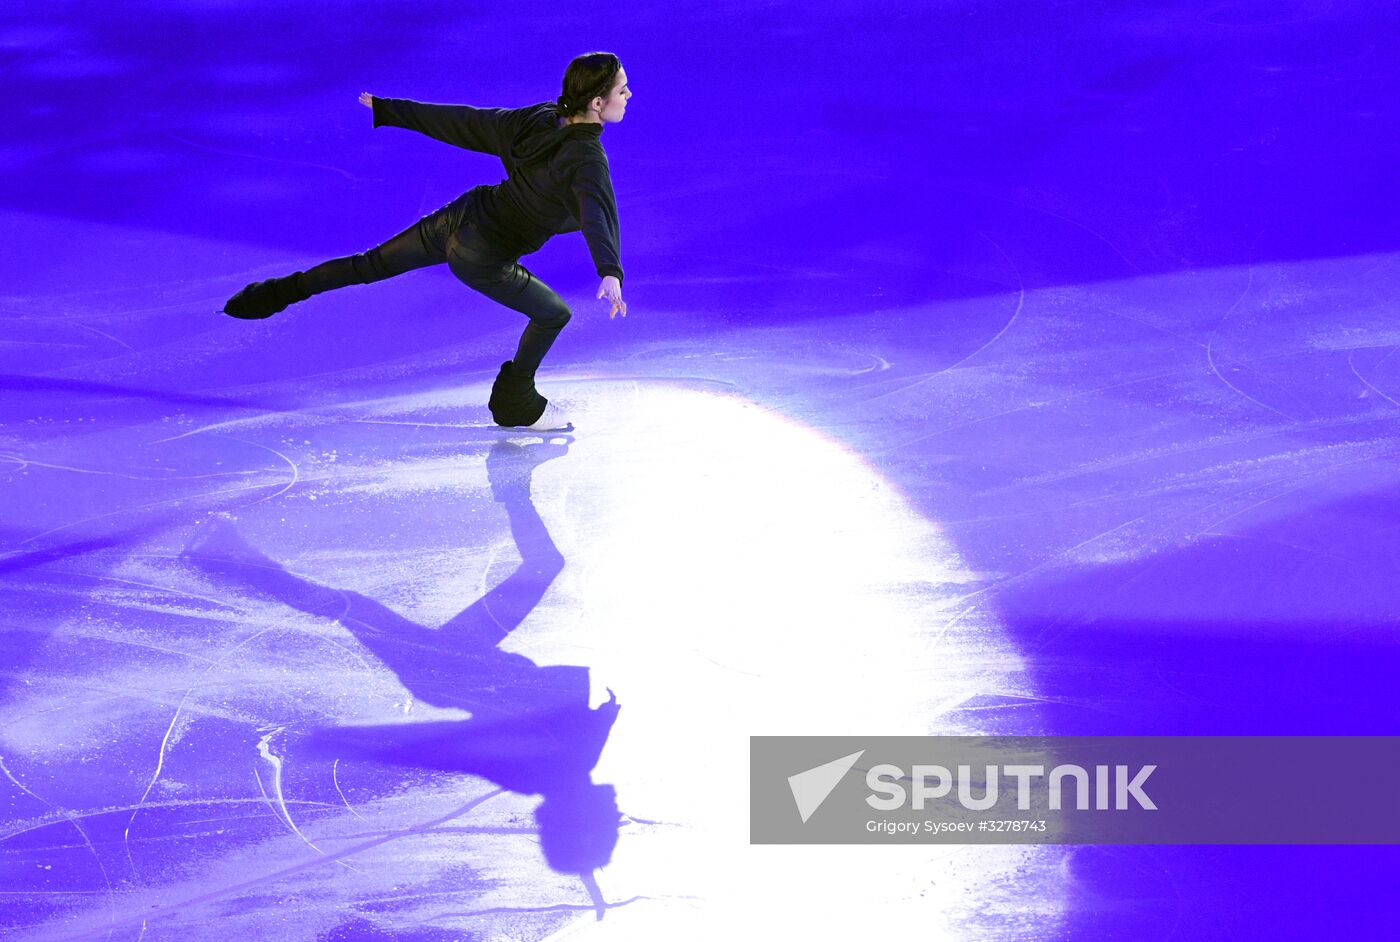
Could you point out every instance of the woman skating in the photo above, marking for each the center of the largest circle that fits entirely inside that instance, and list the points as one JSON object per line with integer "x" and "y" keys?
{"x": 557, "y": 181}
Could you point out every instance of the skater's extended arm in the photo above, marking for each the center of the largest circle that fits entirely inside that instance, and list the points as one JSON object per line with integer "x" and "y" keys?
{"x": 479, "y": 129}
{"x": 597, "y": 215}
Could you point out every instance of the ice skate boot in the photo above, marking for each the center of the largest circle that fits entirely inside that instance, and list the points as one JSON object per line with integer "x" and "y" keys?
{"x": 515, "y": 403}
{"x": 553, "y": 420}
{"x": 265, "y": 298}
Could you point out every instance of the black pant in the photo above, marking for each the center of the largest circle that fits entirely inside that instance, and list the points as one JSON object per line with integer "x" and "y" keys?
{"x": 447, "y": 236}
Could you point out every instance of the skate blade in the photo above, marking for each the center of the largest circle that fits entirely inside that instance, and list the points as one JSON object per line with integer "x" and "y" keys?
{"x": 566, "y": 427}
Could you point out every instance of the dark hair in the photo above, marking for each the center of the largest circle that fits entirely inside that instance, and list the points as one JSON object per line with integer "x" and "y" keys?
{"x": 588, "y": 76}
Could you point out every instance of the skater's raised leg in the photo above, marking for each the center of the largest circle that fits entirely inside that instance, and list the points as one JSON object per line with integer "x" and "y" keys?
{"x": 422, "y": 244}
{"x": 403, "y": 253}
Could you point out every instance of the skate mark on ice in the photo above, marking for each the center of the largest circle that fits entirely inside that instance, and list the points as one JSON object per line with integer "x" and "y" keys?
{"x": 209, "y": 495}
{"x": 483, "y": 594}
{"x": 265, "y": 750}
{"x": 1038, "y": 404}
{"x": 1368, "y": 384}
{"x": 1073, "y": 222}
{"x": 145, "y": 645}
{"x": 1210, "y": 356}
{"x": 43, "y": 343}
{"x": 22, "y": 463}
{"x": 73, "y": 820}
{"x": 1177, "y": 450}
{"x": 165, "y": 740}
{"x": 288, "y": 871}
{"x": 62, "y": 817}
{"x": 272, "y": 160}
{"x": 1302, "y": 479}
{"x": 335, "y": 780}
{"x": 168, "y": 590}
{"x": 1020, "y": 304}
{"x": 1054, "y": 630}
{"x": 103, "y": 333}
{"x": 296, "y": 471}
{"x": 879, "y": 365}
{"x": 229, "y": 423}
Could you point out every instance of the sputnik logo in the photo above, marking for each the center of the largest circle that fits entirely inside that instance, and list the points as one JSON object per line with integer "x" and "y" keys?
{"x": 811, "y": 788}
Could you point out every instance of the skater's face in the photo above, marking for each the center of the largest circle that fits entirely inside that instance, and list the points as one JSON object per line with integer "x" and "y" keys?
{"x": 615, "y": 105}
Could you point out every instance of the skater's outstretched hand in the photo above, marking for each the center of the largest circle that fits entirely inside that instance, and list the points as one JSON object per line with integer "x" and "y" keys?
{"x": 367, "y": 100}
{"x": 611, "y": 289}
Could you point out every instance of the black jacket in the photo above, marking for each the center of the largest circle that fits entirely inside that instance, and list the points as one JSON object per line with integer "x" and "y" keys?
{"x": 557, "y": 175}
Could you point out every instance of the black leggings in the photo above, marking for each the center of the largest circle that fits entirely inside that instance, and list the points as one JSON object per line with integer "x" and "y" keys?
{"x": 447, "y": 236}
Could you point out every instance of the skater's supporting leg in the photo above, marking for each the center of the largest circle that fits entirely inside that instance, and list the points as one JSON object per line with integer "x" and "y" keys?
{"x": 514, "y": 400}
{"x": 534, "y": 344}
{"x": 504, "y": 280}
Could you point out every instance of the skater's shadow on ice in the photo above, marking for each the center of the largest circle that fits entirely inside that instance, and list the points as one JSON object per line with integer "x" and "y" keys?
{"x": 531, "y": 730}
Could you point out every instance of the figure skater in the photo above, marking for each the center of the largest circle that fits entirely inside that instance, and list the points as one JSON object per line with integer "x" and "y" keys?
{"x": 557, "y": 181}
